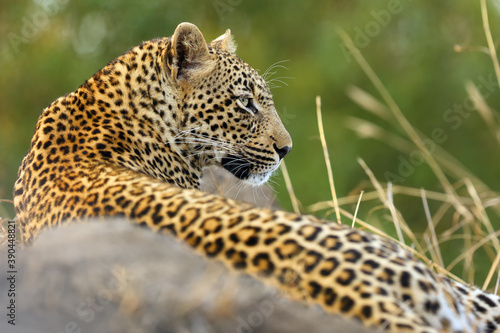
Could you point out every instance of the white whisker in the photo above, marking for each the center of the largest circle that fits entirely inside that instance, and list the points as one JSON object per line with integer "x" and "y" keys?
{"x": 277, "y": 64}
{"x": 242, "y": 185}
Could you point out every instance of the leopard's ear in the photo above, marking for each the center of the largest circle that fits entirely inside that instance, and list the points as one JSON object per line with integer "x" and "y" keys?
{"x": 188, "y": 52}
{"x": 225, "y": 42}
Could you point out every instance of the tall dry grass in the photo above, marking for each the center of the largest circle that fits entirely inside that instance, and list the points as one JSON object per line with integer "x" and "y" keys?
{"x": 463, "y": 209}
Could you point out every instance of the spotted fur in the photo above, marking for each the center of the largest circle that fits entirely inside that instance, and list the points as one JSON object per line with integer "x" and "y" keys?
{"x": 133, "y": 140}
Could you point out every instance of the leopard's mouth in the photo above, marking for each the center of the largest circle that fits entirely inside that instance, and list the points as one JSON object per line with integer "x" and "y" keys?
{"x": 243, "y": 169}
{"x": 237, "y": 166}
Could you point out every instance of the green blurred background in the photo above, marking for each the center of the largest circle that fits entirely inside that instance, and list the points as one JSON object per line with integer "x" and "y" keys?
{"x": 49, "y": 48}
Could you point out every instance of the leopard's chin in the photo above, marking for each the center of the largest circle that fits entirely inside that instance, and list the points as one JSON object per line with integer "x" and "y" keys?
{"x": 258, "y": 178}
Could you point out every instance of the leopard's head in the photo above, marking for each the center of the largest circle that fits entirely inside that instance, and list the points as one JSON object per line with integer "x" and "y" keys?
{"x": 227, "y": 114}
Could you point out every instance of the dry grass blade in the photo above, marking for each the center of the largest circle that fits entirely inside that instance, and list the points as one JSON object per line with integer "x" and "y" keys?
{"x": 468, "y": 48}
{"x": 392, "y": 208}
{"x": 289, "y": 187}
{"x": 368, "y": 130}
{"x": 474, "y": 247}
{"x": 492, "y": 271}
{"x": 403, "y": 122}
{"x": 3, "y": 232}
{"x": 493, "y": 202}
{"x": 489, "y": 39}
{"x": 496, "y": 285}
{"x": 432, "y": 230}
{"x": 357, "y": 207}
{"x": 397, "y": 189}
{"x": 385, "y": 200}
{"x": 365, "y": 129}
{"x": 483, "y": 217}
{"x": 468, "y": 270}
{"x": 481, "y": 212}
{"x": 484, "y": 110}
{"x": 327, "y": 159}
{"x": 368, "y": 102}
{"x": 417, "y": 254}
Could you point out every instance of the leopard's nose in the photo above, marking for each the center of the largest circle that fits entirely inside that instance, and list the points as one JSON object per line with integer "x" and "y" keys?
{"x": 283, "y": 151}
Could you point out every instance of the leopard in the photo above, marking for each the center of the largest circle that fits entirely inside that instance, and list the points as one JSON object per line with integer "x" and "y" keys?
{"x": 133, "y": 141}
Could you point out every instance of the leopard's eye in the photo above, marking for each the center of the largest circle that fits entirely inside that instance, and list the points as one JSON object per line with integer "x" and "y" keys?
{"x": 246, "y": 104}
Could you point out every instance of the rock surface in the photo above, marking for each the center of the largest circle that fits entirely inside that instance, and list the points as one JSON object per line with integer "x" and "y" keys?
{"x": 111, "y": 276}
